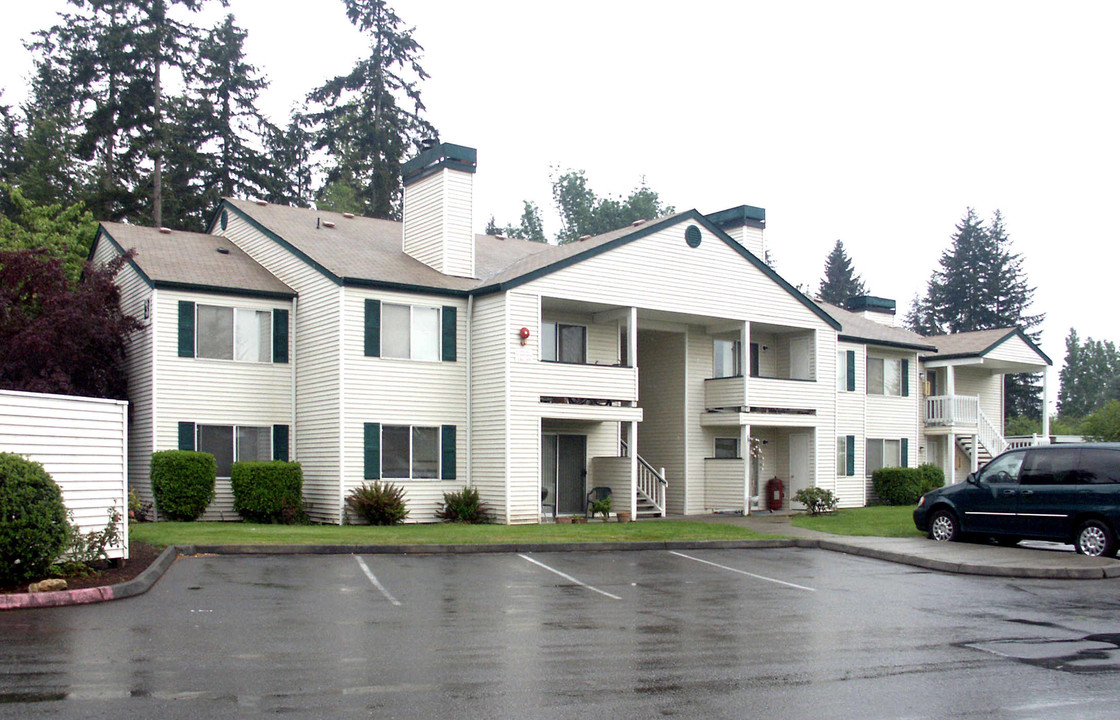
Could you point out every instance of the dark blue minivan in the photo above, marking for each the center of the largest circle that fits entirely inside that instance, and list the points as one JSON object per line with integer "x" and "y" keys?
{"x": 1068, "y": 493}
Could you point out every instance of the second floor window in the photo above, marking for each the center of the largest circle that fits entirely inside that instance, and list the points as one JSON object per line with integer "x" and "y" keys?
{"x": 410, "y": 331}
{"x": 226, "y": 333}
{"x": 884, "y": 376}
{"x": 727, "y": 358}
{"x": 563, "y": 343}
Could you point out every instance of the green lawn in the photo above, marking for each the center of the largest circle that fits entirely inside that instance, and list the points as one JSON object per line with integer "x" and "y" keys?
{"x": 878, "y": 520}
{"x": 239, "y": 533}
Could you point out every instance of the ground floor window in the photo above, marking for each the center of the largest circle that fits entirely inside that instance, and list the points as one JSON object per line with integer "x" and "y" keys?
{"x": 409, "y": 452}
{"x": 727, "y": 448}
{"x": 234, "y": 443}
{"x": 883, "y": 453}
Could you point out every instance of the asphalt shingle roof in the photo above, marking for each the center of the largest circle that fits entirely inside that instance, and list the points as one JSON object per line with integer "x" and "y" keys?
{"x": 194, "y": 259}
{"x": 861, "y": 328}
{"x": 969, "y": 343}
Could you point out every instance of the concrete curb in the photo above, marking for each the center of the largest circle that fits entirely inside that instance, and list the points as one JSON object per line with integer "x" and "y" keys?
{"x": 143, "y": 582}
{"x": 136, "y": 586}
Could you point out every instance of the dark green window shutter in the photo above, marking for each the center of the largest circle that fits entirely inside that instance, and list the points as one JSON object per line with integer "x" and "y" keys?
{"x": 373, "y": 329}
{"x": 905, "y": 378}
{"x": 851, "y": 454}
{"x": 851, "y": 371}
{"x": 449, "y": 333}
{"x": 186, "y": 329}
{"x": 447, "y": 447}
{"x": 279, "y": 336}
{"x": 905, "y": 452}
{"x": 372, "y": 450}
{"x": 280, "y": 436}
{"x": 186, "y": 436}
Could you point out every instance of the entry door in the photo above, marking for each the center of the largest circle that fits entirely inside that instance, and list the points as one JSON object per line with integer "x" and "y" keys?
{"x": 799, "y": 476}
{"x": 799, "y": 358}
{"x": 564, "y": 472}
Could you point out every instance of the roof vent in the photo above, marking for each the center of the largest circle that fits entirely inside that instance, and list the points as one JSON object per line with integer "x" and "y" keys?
{"x": 328, "y": 224}
{"x": 584, "y": 237}
{"x": 262, "y": 203}
{"x": 223, "y": 250}
{"x": 165, "y": 230}
{"x": 347, "y": 215}
{"x": 500, "y": 236}
{"x": 636, "y": 223}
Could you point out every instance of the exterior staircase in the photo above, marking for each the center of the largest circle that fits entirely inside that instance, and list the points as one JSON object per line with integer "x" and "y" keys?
{"x": 651, "y": 486}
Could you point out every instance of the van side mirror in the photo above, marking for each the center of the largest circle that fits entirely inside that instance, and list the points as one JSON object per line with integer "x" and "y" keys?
{"x": 971, "y": 478}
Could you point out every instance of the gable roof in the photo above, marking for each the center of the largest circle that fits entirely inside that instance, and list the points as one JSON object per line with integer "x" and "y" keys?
{"x": 979, "y": 343}
{"x": 856, "y": 328}
{"x": 192, "y": 261}
{"x": 365, "y": 251}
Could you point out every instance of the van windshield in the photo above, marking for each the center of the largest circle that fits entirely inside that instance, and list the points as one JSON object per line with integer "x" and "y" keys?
{"x": 1004, "y": 469}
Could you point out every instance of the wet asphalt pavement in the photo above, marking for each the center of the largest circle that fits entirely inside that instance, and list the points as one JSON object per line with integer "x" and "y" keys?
{"x": 781, "y": 633}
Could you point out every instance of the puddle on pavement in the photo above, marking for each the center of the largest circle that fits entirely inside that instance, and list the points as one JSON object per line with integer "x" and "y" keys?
{"x": 1090, "y": 654}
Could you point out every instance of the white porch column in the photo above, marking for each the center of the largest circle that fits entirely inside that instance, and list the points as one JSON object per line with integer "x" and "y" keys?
{"x": 1045, "y": 404}
{"x": 632, "y": 338}
{"x": 950, "y": 390}
{"x": 951, "y": 458}
{"x": 745, "y": 452}
{"x": 633, "y": 470}
{"x": 745, "y": 363}
{"x": 975, "y": 453}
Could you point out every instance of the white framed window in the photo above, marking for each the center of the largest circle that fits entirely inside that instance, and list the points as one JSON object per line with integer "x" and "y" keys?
{"x": 727, "y": 448}
{"x": 561, "y": 342}
{"x": 410, "y": 332}
{"x": 234, "y": 443}
{"x": 841, "y": 455}
{"x": 883, "y": 453}
{"x": 226, "y": 333}
{"x": 410, "y": 452}
{"x": 884, "y": 376}
{"x": 727, "y": 358}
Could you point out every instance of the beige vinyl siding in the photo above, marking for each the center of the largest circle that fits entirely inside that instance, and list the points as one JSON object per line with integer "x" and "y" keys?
{"x": 489, "y": 406}
{"x": 851, "y": 408}
{"x": 139, "y": 364}
{"x": 893, "y": 418}
{"x": 661, "y": 357}
{"x": 525, "y": 410}
{"x": 602, "y": 338}
{"x": 751, "y": 238}
{"x": 438, "y": 222}
{"x": 988, "y": 386}
{"x": 1015, "y": 350}
{"x": 393, "y": 391}
{"x": 724, "y": 486}
{"x": 315, "y": 355}
{"x": 82, "y": 443}
{"x": 206, "y": 391}
{"x": 697, "y": 444}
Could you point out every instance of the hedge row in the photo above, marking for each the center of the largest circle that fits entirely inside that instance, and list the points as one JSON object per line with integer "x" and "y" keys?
{"x": 268, "y": 492}
{"x": 903, "y": 486}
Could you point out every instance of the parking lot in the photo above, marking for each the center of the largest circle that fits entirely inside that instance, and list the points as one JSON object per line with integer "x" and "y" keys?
{"x": 716, "y": 633}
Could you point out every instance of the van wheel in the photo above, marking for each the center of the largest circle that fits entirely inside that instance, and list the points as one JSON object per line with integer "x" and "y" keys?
{"x": 1095, "y": 539}
{"x": 943, "y": 526}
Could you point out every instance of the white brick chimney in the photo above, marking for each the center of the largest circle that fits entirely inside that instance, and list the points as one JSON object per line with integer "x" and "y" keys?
{"x": 745, "y": 224}
{"x": 438, "y": 208}
{"x": 877, "y": 309}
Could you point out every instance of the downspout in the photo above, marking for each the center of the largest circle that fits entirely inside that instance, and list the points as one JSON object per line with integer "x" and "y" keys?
{"x": 470, "y": 385}
{"x": 292, "y": 359}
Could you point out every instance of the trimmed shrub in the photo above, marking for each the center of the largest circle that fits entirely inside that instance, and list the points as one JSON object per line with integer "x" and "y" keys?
{"x": 817, "y": 500}
{"x": 33, "y": 527}
{"x": 268, "y": 492}
{"x": 464, "y": 506}
{"x": 932, "y": 477}
{"x": 378, "y": 503}
{"x": 898, "y": 485}
{"x": 183, "y": 483}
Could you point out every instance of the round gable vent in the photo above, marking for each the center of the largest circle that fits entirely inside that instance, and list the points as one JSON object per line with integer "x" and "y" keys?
{"x": 692, "y": 236}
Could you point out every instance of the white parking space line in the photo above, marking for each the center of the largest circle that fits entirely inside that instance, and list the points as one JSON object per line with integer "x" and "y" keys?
{"x": 743, "y": 572}
{"x": 373, "y": 579}
{"x": 569, "y": 578}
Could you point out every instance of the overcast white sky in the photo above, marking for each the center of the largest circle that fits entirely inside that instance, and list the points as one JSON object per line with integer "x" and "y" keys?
{"x": 876, "y": 123}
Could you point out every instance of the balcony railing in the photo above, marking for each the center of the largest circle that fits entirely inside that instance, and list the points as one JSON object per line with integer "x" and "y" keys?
{"x": 952, "y": 410}
{"x": 610, "y": 382}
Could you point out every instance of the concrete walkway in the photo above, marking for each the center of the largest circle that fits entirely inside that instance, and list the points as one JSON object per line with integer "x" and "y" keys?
{"x": 1030, "y": 559}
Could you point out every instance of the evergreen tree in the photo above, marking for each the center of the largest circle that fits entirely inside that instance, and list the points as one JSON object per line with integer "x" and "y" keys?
{"x": 290, "y": 163}
{"x": 369, "y": 120}
{"x": 840, "y": 280}
{"x": 981, "y": 285}
{"x": 1088, "y": 378}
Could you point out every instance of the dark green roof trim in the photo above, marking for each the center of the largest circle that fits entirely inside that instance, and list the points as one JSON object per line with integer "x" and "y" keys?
{"x": 282, "y": 242}
{"x": 1013, "y": 333}
{"x": 217, "y": 290}
{"x": 433, "y": 169}
{"x": 465, "y": 158}
{"x": 741, "y": 215}
{"x": 102, "y": 232}
{"x": 403, "y": 287}
{"x": 860, "y": 303}
{"x": 649, "y": 229}
{"x": 886, "y": 343}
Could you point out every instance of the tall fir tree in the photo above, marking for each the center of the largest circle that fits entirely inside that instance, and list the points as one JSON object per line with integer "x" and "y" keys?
{"x": 370, "y": 120}
{"x": 1088, "y": 377}
{"x": 840, "y": 281}
{"x": 291, "y": 163}
{"x": 981, "y": 285}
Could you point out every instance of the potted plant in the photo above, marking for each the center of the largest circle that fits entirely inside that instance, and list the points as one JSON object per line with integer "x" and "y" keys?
{"x": 603, "y": 507}
{"x": 623, "y": 516}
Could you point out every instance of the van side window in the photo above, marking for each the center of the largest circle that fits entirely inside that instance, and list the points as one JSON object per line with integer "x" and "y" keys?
{"x": 1004, "y": 469}
{"x": 1051, "y": 466}
{"x": 1100, "y": 466}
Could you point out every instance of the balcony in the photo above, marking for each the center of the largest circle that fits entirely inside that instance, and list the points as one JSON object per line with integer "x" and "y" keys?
{"x": 949, "y": 410}
{"x": 724, "y": 392}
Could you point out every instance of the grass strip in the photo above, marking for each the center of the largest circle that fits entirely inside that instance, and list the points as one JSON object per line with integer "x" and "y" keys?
{"x": 876, "y": 521}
